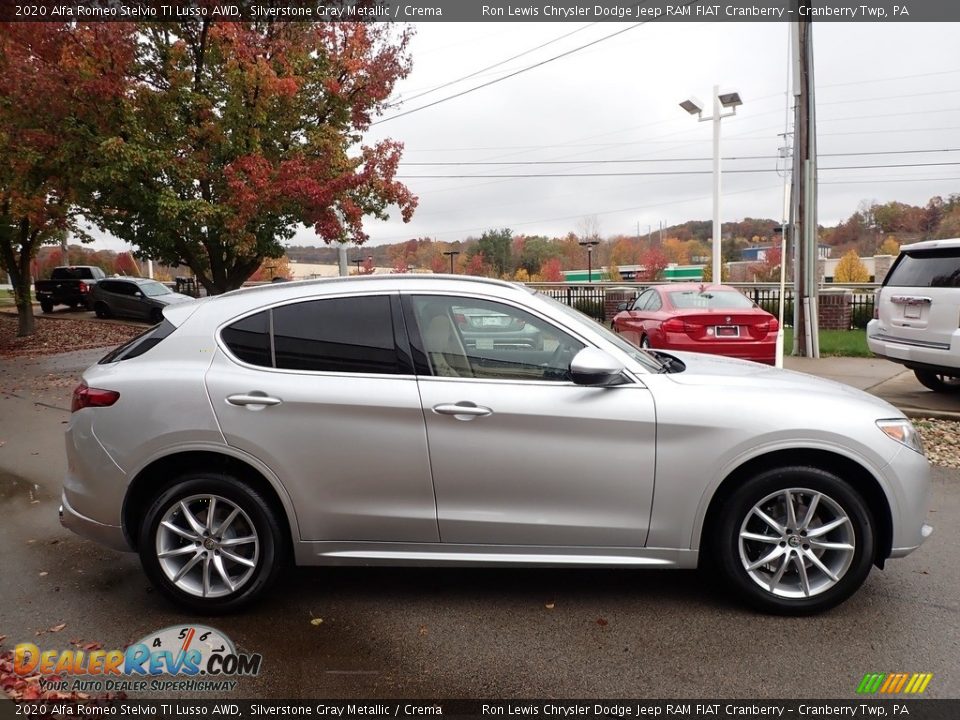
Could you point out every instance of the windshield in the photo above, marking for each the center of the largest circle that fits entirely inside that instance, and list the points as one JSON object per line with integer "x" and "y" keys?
{"x": 153, "y": 289}
{"x": 641, "y": 356}
{"x": 710, "y": 300}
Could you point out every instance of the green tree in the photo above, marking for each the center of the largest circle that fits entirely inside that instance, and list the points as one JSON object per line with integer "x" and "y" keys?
{"x": 494, "y": 245}
{"x": 235, "y": 133}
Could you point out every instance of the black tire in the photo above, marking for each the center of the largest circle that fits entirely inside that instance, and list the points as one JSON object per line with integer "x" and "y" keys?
{"x": 263, "y": 558}
{"x": 46, "y": 306}
{"x": 101, "y": 310}
{"x": 767, "y": 491}
{"x": 156, "y": 316}
{"x": 645, "y": 342}
{"x": 73, "y": 305}
{"x": 938, "y": 382}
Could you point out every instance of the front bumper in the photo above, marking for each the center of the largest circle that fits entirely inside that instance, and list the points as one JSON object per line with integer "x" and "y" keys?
{"x": 110, "y": 535}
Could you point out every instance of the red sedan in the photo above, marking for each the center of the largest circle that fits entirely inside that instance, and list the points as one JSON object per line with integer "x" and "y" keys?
{"x": 713, "y": 319}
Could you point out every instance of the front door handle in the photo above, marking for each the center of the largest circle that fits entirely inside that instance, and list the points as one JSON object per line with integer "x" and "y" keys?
{"x": 462, "y": 410}
{"x": 253, "y": 399}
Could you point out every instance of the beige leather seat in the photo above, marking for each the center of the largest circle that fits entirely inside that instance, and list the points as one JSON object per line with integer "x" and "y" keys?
{"x": 448, "y": 358}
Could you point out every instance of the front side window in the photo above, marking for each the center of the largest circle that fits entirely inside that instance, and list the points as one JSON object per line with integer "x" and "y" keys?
{"x": 472, "y": 338}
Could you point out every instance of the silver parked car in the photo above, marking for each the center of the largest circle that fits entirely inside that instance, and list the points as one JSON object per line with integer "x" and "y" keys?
{"x": 347, "y": 422}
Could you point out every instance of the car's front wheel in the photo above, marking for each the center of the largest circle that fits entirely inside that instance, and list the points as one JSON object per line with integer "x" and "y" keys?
{"x": 211, "y": 543}
{"x": 938, "y": 382}
{"x": 101, "y": 310}
{"x": 795, "y": 540}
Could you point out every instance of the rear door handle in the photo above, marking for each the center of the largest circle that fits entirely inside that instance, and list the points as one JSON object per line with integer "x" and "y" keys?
{"x": 253, "y": 399}
{"x": 462, "y": 410}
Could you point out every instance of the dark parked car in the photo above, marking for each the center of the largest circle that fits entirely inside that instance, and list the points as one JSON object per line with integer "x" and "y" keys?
{"x": 68, "y": 285}
{"x": 133, "y": 297}
{"x": 714, "y": 319}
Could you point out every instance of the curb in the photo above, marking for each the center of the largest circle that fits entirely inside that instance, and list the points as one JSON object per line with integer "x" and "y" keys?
{"x": 920, "y": 413}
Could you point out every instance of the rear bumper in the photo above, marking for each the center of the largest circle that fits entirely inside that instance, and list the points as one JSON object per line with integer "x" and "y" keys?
{"x": 110, "y": 535}
{"x": 761, "y": 351}
{"x": 934, "y": 357}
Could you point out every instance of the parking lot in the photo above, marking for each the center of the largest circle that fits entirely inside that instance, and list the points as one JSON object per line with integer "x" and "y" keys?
{"x": 442, "y": 633}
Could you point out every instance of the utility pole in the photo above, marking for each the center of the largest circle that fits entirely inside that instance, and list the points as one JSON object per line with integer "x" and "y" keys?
{"x": 804, "y": 200}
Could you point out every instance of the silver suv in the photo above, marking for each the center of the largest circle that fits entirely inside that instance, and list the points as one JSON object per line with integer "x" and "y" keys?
{"x": 918, "y": 314}
{"x": 350, "y": 421}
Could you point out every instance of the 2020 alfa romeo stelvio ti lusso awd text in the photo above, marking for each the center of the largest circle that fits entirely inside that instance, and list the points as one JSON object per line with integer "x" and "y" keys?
{"x": 348, "y": 421}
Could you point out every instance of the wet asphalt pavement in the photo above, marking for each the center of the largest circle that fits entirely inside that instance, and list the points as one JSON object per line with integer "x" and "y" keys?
{"x": 484, "y": 633}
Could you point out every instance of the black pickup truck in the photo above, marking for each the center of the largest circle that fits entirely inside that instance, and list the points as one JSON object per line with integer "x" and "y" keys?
{"x": 68, "y": 285}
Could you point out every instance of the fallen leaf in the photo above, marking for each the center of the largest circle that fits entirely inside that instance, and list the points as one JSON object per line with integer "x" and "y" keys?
{"x": 93, "y": 646}
{"x": 602, "y": 622}
{"x": 423, "y": 630}
{"x": 44, "y": 573}
{"x": 550, "y": 606}
{"x": 316, "y": 622}
{"x": 58, "y": 628}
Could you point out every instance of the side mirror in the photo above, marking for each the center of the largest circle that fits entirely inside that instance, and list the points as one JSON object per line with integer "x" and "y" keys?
{"x": 594, "y": 367}
{"x": 622, "y": 306}
{"x": 138, "y": 294}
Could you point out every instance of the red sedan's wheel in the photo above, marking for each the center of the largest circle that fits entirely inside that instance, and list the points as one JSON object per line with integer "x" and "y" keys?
{"x": 645, "y": 342}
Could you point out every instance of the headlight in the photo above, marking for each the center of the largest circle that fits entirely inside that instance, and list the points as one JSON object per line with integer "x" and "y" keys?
{"x": 903, "y": 431}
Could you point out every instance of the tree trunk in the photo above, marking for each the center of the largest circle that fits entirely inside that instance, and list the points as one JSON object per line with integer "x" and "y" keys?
{"x": 18, "y": 267}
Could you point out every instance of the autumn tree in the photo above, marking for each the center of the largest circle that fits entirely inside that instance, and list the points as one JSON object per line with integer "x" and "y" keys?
{"x": 272, "y": 268}
{"x": 851, "y": 270}
{"x": 652, "y": 264}
{"x": 768, "y": 269}
{"x": 234, "y": 133}
{"x": 552, "y": 271}
{"x": 59, "y": 86}
{"x": 890, "y": 246}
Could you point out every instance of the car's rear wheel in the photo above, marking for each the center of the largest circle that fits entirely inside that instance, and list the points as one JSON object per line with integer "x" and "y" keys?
{"x": 645, "y": 342}
{"x": 938, "y": 382}
{"x": 46, "y": 306}
{"x": 211, "y": 543}
{"x": 101, "y": 310}
{"x": 795, "y": 540}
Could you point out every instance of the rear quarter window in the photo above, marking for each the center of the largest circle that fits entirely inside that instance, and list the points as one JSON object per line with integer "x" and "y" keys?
{"x": 140, "y": 344}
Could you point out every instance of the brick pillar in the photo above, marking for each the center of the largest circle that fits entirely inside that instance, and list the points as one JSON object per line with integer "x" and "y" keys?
{"x": 613, "y": 297}
{"x": 835, "y": 309}
{"x": 881, "y": 266}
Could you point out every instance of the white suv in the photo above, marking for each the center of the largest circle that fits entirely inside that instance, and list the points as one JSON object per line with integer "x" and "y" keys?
{"x": 918, "y": 314}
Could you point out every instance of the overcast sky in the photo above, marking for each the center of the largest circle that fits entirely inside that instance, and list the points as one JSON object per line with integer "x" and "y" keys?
{"x": 881, "y": 88}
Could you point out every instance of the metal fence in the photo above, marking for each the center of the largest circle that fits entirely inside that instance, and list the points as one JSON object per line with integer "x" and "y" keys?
{"x": 590, "y": 298}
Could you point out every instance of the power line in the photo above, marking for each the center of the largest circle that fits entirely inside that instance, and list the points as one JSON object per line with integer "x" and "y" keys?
{"x": 402, "y": 100}
{"x": 657, "y": 160}
{"x": 511, "y": 75}
{"x": 668, "y": 172}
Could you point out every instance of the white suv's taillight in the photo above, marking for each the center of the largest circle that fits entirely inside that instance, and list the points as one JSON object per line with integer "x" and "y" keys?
{"x": 84, "y": 397}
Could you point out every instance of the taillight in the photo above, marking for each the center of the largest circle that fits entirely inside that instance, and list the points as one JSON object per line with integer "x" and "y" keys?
{"x": 774, "y": 325}
{"x": 673, "y": 325}
{"x": 84, "y": 397}
{"x": 84, "y": 288}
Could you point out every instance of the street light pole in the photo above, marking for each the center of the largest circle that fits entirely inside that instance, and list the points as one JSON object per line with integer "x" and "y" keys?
{"x": 730, "y": 100}
{"x": 590, "y": 245}
{"x": 451, "y": 254}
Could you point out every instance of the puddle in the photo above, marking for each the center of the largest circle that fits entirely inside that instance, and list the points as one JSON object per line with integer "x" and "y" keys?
{"x": 13, "y": 488}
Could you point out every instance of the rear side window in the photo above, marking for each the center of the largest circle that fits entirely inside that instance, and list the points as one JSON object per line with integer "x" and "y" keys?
{"x": 336, "y": 335}
{"x": 352, "y": 335}
{"x": 934, "y": 268}
{"x": 140, "y": 344}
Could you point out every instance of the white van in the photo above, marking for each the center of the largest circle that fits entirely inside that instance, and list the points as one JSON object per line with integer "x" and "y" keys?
{"x": 917, "y": 314}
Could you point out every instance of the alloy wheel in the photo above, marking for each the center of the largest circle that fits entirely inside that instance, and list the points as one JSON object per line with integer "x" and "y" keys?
{"x": 207, "y": 546}
{"x": 797, "y": 543}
